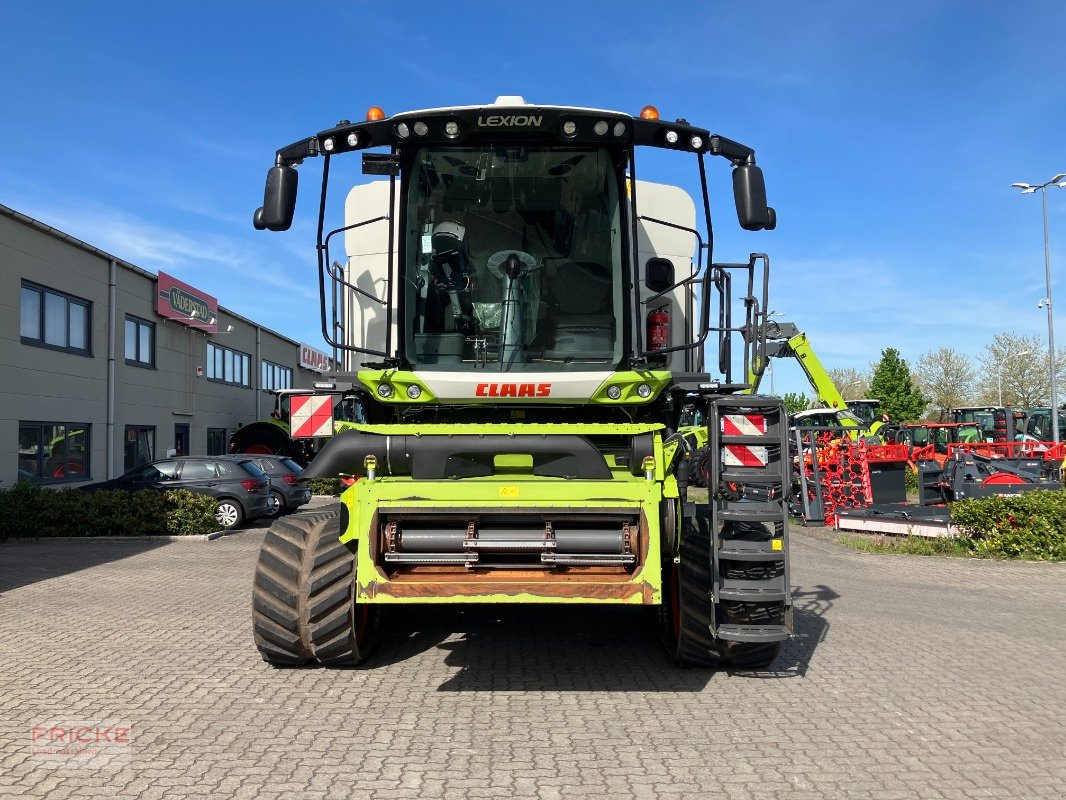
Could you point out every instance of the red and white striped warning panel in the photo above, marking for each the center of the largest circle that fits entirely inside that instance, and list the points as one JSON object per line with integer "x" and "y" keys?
{"x": 310, "y": 415}
{"x": 744, "y": 425}
{"x": 744, "y": 455}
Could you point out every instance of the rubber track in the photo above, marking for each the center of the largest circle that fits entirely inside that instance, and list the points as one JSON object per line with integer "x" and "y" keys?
{"x": 302, "y": 596}
{"x": 696, "y": 646}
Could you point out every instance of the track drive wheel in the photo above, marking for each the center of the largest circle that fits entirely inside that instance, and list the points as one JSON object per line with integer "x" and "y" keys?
{"x": 303, "y": 598}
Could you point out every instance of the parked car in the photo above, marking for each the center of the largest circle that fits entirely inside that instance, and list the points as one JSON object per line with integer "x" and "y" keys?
{"x": 287, "y": 492}
{"x": 241, "y": 488}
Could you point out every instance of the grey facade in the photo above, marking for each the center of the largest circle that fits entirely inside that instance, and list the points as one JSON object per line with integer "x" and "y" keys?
{"x": 134, "y": 384}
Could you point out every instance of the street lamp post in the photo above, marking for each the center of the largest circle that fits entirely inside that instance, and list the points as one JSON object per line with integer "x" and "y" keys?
{"x": 1060, "y": 181}
{"x": 999, "y": 376}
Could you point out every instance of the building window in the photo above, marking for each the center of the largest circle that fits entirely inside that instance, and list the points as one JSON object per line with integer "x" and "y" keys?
{"x": 139, "y": 446}
{"x": 140, "y": 342}
{"x": 276, "y": 376}
{"x": 216, "y": 441}
{"x": 55, "y": 320}
{"x": 50, "y": 452}
{"x": 228, "y": 366}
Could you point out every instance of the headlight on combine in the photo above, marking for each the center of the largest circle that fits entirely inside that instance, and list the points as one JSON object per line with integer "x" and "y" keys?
{"x": 614, "y": 391}
{"x": 414, "y": 391}
{"x": 385, "y": 391}
{"x": 644, "y": 391}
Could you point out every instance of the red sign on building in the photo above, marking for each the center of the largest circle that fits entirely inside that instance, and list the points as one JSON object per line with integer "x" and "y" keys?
{"x": 183, "y": 303}
{"x": 310, "y": 358}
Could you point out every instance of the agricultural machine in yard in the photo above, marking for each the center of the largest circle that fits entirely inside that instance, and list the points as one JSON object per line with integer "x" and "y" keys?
{"x": 785, "y": 340}
{"x": 523, "y": 322}
{"x": 858, "y": 418}
{"x": 276, "y": 435}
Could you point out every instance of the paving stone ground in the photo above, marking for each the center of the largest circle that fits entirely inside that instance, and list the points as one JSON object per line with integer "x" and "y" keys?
{"x": 910, "y": 678}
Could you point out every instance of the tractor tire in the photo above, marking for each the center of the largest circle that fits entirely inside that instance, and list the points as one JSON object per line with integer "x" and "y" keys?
{"x": 687, "y": 607}
{"x": 264, "y": 438}
{"x": 748, "y": 654}
{"x": 303, "y": 597}
{"x": 699, "y": 468}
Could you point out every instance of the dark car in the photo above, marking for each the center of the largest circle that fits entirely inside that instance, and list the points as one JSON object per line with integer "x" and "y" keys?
{"x": 241, "y": 488}
{"x": 287, "y": 491}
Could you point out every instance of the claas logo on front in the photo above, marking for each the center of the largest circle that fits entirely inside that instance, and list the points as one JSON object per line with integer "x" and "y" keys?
{"x": 513, "y": 390}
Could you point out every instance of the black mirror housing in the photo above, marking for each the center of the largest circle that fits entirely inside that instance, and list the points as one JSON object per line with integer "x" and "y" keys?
{"x": 279, "y": 200}
{"x": 749, "y": 194}
{"x": 659, "y": 274}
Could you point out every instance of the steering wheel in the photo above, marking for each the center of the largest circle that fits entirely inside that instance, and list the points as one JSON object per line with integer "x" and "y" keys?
{"x": 499, "y": 258}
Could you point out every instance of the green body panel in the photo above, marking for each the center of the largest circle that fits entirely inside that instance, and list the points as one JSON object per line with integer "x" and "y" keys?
{"x": 513, "y": 489}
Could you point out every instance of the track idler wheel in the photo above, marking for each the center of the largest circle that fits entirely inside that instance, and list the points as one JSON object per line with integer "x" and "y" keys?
{"x": 303, "y": 598}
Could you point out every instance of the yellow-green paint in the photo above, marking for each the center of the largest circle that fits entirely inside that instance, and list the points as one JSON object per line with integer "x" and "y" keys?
{"x": 516, "y": 493}
{"x": 627, "y": 383}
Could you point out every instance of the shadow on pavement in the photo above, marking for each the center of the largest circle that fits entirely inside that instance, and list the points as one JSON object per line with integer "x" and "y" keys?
{"x": 811, "y": 627}
{"x": 573, "y": 648}
{"x": 24, "y": 562}
{"x": 540, "y": 648}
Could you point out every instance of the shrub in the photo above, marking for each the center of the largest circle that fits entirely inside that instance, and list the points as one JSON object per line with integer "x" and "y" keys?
{"x": 329, "y": 486}
{"x": 189, "y": 514}
{"x": 29, "y": 511}
{"x": 910, "y": 479}
{"x": 1029, "y": 526}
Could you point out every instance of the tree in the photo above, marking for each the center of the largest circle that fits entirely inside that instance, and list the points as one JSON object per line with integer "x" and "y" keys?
{"x": 853, "y": 384}
{"x": 795, "y": 401}
{"x": 892, "y": 385}
{"x": 1021, "y": 364}
{"x": 947, "y": 378}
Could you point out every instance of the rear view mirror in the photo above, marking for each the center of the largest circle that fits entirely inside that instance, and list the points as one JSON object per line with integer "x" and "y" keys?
{"x": 279, "y": 200}
{"x": 659, "y": 274}
{"x": 749, "y": 193}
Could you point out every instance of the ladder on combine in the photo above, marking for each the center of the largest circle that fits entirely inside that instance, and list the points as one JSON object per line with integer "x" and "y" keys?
{"x": 749, "y": 482}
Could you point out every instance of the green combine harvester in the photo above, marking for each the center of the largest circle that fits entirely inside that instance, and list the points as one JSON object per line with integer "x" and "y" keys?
{"x": 522, "y": 324}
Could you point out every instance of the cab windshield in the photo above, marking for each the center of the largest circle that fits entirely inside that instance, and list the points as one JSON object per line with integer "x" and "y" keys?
{"x": 514, "y": 259}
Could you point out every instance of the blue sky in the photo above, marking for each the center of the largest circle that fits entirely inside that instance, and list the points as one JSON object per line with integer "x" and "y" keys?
{"x": 889, "y": 134}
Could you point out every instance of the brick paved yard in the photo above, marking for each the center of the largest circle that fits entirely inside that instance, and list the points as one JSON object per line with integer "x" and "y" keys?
{"x": 910, "y": 678}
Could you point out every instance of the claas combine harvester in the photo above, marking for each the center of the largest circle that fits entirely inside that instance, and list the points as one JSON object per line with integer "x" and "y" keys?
{"x": 521, "y": 321}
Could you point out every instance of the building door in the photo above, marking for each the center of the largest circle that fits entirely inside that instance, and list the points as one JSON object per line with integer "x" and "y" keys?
{"x": 181, "y": 439}
{"x": 139, "y": 446}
